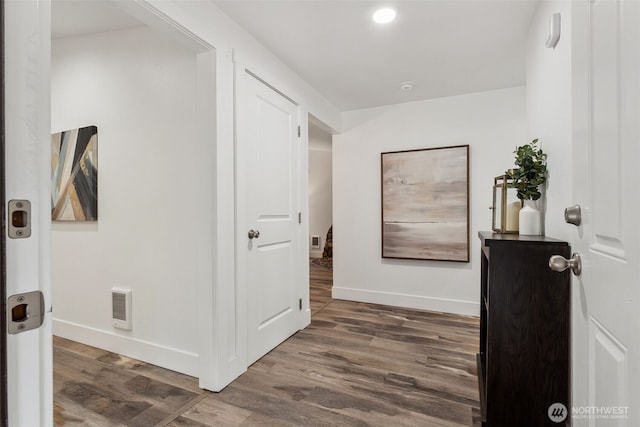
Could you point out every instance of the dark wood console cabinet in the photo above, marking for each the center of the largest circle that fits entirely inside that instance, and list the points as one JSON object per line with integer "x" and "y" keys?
{"x": 523, "y": 363}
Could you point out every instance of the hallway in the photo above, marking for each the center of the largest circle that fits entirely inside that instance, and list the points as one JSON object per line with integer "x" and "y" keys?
{"x": 355, "y": 365}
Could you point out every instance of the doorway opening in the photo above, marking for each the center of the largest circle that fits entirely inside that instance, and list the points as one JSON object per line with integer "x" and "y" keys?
{"x": 320, "y": 217}
{"x": 144, "y": 89}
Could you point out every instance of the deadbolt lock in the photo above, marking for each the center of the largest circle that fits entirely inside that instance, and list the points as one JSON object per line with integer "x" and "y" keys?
{"x": 573, "y": 215}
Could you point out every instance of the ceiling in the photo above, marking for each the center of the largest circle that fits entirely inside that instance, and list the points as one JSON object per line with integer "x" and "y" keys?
{"x": 446, "y": 47}
{"x": 80, "y": 17}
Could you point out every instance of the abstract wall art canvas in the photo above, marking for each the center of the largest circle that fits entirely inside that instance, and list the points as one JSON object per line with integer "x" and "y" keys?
{"x": 74, "y": 163}
{"x": 425, "y": 204}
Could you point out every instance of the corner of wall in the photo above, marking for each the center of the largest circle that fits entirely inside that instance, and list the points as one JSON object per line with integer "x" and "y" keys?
{"x": 491, "y": 123}
{"x": 549, "y": 116}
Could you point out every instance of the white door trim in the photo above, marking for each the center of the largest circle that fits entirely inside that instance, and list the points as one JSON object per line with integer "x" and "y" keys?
{"x": 240, "y": 325}
{"x": 27, "y": 172}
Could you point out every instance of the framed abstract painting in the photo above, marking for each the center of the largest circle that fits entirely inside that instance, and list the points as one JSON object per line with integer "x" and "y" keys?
{"x": 74, "y": 173}
{"x": 425, "y": 204}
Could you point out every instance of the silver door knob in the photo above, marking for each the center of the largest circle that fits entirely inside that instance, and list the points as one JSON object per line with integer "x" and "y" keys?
{"x": 573, "y": 215}
{"x": 559, "y": 263}
{"x": 253, "y": 234}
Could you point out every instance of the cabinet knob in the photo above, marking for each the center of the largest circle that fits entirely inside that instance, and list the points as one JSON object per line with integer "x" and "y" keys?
{"x": 559, "y": 263}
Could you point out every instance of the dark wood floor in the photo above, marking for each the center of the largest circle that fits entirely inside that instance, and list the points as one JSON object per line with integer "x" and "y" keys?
{"x": 356, "y": 365}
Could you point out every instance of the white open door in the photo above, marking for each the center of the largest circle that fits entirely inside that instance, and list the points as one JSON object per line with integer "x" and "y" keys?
{"x": 606, "y": 153}
{"x": 269, "y": 236}
{"x": 27, "y": 171}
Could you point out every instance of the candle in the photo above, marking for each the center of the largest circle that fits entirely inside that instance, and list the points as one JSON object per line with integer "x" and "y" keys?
{"x": 513, "y": 211}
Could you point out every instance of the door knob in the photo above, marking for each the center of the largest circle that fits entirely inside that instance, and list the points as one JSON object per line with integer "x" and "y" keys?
{"x": 559, "y": 263}
{"x": 573, "y": 215}
{"x": 253, "y": 234}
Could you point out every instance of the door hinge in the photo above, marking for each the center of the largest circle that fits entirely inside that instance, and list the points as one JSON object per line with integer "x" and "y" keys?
{"x": 299, "y": 217}
{"x": 298, "y": 131}
{"x": 300, "y": 303}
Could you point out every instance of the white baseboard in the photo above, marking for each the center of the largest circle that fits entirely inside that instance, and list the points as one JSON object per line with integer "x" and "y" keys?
{"x": 407, "y": 301}
{"x": 315, "y": 253}
{"x": 165, "y": 357}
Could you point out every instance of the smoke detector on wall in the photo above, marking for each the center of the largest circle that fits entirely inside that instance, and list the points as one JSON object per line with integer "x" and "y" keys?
{"x": 406, "y": 86}
{"x": 554, "y": 31}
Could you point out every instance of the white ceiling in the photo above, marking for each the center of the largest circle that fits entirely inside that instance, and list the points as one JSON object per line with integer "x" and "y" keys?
{"x": 447, "y": 47}
{"x": 79, "y": 17}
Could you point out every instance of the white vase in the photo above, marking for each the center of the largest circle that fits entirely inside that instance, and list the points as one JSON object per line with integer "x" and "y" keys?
{"x": 529, "y": 219}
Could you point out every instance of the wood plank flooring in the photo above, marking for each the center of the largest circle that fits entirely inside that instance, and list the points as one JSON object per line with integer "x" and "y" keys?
{"x": 355, "y": 365}
{"x": 321, "y": 281}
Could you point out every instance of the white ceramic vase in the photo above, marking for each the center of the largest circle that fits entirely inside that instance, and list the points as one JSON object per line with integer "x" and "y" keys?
{"x": 529, "y": 219}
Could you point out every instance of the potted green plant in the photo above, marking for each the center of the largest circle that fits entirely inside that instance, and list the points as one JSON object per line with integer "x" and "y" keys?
{"x": 528, "y": 177}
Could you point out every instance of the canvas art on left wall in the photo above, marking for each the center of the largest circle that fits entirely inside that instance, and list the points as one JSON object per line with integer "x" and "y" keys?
{"x": 74, "y": 167}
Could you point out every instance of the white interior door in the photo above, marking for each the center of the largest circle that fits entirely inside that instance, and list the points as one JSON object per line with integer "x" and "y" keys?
{"x": 27, "y": 38}
{"x": 270, "y": 160}
{"x": 606, "y": 297}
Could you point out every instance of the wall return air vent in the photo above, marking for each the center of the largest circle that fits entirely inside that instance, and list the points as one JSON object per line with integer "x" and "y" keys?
{"x": 121, "y": 308}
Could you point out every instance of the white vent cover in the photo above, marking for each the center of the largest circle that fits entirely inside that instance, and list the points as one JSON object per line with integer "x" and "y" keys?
{"x": 121, "y": 308}
{"x": 315, "y": 242}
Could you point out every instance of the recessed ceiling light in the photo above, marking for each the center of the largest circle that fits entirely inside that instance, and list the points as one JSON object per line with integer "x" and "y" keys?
{"x": 384, "y": 16}
{"x": 406, "y": 86}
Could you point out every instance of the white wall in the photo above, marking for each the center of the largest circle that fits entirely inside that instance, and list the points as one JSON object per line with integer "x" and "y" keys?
{"x": 204, "y": 20}
{"x": 320, "y": 195}
{"x": 492, "y": 123}
{"x": 139, "y": 88}
{"x": 549, "y": 114}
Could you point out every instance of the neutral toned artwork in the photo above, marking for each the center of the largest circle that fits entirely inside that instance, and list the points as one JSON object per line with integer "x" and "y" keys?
{"x": 74, "y": 166}
{"x": 425, "y": 204}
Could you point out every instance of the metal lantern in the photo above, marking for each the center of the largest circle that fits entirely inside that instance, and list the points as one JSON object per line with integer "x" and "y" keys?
{"x": 506, "y": 205}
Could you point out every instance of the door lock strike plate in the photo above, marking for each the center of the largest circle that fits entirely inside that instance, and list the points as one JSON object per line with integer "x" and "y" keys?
{"x": 25, "y": 312}
{"x": 19, "y": 219}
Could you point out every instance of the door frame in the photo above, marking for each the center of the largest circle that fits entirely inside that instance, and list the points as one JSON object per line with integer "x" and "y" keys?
{"x": 213, "y": 105}
{"x": 216, "y": 308}
{"x": 26, "y": 37}
{"x": 4, "y": 418}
